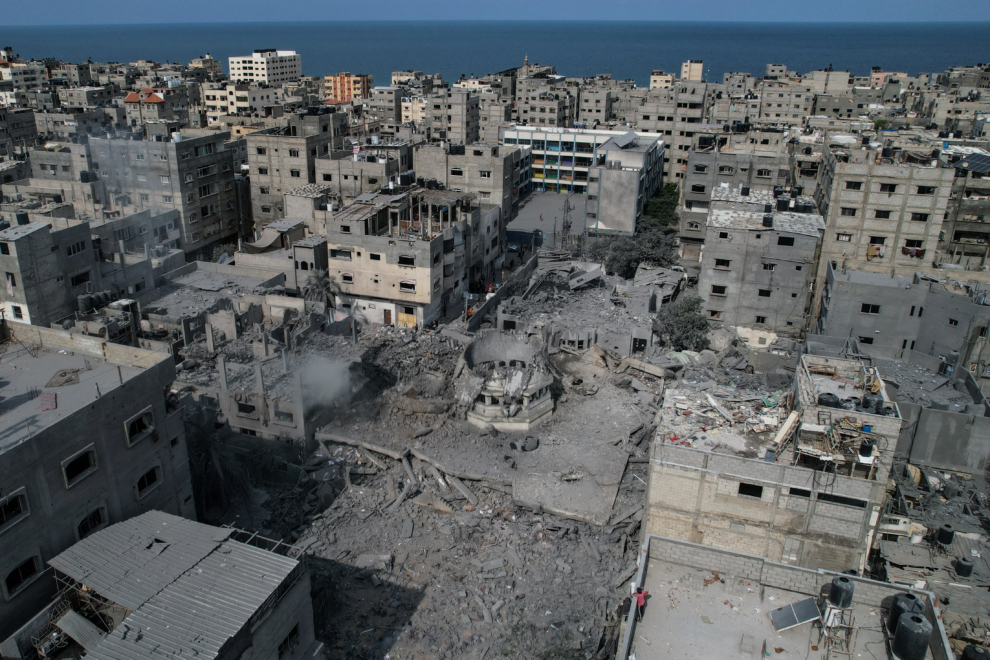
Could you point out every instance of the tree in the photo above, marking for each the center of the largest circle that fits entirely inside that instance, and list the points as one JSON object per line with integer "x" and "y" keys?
{"x": 321, "y": 287}
{"x": 880, "y": 124}
{"x": 623, "y": 254}
{"x": 661, "y": 209}
{"x": 682, "y": 325}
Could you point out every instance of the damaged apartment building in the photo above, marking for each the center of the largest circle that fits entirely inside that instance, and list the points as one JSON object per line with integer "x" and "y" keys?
{"x": 808, "y": 495}
{"x": 92, "y": 437}
{"x": 402, "y": 259}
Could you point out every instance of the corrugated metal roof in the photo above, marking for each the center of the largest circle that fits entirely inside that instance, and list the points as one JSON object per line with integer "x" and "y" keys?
{"x": 80, "y": 629}
{"x": 190, "y": 586}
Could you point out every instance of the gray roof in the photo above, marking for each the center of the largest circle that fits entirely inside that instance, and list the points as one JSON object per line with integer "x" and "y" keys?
{"x": 191, "y": 587}
{"x": 792, "y": 223}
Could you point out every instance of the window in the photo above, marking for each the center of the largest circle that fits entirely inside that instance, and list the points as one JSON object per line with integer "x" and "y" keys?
{"x": 11, "y": 280}
{"x": 340, "y": 254}
{"x": 764, "y": 173}
{"x": 164, "y": 179}
{"x": 79, "y": 279}
{"x": 93, "y": 522}
{"x": 189, "y": 177}
{"x": 345, "y": 229}
{"x": 261, "y": 151}
{"x": 785, "y": 240}
{"x": 848, "y": 211}
{"x": 701, "y": 169}
{"x": 698, "y": 188}
{"x": 869, "y": 308}
{"x": 407, "y": 287}
{"x": 139, "y": 427}
{"x": 206, "y": 171}
{"x": 921, "y": 310}
{"x": 865, "y": 340}
{"x": 888, "y": 187}
{"x": 913, "y": 243}
{"x": 839, "y": 499}
{"x": 912, "y": 311}
{"x": 13, "y": 509}
{"x": 18, "y": 312}
{"x": 926, "y": 190}
{"x": 799, "y": 492}
{"x": 750, "y": 490}
{"x": 725, "y": 169}
{"x": 204, "y": 150}
{"x": 75, "y": 248}
{"x": 263, "y": 190}
{"x": 4, "y": 248}
{"x": 722, "y": 263}
{"x": 374, "y": 257}
{"x": 878, "y": 240}
{"x": 761, "y": 319}
{"x": 854, "y": 185}
{"x": 953, "y": 322}
{"x": 148, "y": 481}
{"x": 723, "y": 234}
{"x": 764, "y": 293}
{"x": 328, "y": 177}
{"x": 294, "y": 173}
{"x": 78, "y": 467}
{"x": 266, "y": 209}
{"x": 293, "y": 153}
{"x": 19, "y": 578}
{"x": 769, "y": 266}
{"x": 344, "y": 277}
{"x": 288, "y": 645}
{"x": 843, "y": 238}
{"x": 456, "y": 171}
{"x": 919, "y": 217}
{"x": 718, "y": 290}
{"x": 207, "y": 190}
{"x": 485, "y": 174}
{"x": 883, "y": 215}
{"x": 405, "y": 260}
{"x": 714, "y": 314}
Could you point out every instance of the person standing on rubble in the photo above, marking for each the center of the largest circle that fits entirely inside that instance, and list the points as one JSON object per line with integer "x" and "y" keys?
{"x": 640, "y": 597}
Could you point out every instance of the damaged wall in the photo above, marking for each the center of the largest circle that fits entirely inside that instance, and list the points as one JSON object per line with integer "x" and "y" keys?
{"x": 766, "y": 509}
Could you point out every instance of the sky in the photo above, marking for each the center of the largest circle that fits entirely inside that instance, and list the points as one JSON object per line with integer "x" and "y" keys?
{"x": 103, "y": 12}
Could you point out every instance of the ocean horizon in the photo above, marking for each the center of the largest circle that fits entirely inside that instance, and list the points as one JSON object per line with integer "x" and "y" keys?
{"x": 623, "y": 49}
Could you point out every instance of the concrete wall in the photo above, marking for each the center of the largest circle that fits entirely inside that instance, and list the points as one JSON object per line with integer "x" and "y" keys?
{"x": 36, "y": 465}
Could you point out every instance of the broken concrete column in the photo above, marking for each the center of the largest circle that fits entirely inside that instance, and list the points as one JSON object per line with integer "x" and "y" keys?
{"x": 209, "y": 339}
{"x": 260, "y": 378}
{"x": 264, "y": 344}
{"x": 285, "y": 360}
{"x": 222, "y": 371}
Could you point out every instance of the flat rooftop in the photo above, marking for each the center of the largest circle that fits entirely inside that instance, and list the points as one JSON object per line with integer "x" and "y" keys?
{"x": 195, "y": 292}
{"x": 793, "y": 223}
{"x": 41, "y": 387}
{"x": 693, "y": 613}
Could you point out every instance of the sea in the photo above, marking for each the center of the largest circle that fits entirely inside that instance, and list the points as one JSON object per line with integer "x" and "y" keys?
{"x": 626, "y": 50}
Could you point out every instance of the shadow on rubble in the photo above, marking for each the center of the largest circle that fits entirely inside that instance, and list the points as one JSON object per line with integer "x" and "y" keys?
{"x": 359, "y": 613}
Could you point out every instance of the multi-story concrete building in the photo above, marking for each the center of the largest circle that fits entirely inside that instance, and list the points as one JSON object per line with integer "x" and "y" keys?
{"x": 24, "y": 75}
{"x": 454, "y": 116}
{"x": 661, "y": 80}
{"x": 386, "y": 105}
{"x": 284, "y": 157}
{"x": 496, "y": 174}
{"x": 783, "y": 502}
{"x": 877, "y": 201}
{"x": 70, "y": 122}
{"x": 93, "y": 441}
{"x": 74, "y": 74}
{"x": 693, "y": 71}
{"x": 626, "y": 174}
{"x": 232, "y": 99}
{"x": 186, "y": 562}
{"x": 563, "y": 159}
{"x": 346, "y": 86}
{"x": 965, "y": 238}
{"x": 18, "y": 130}
{"x": 363, "y": 168}
{"x": 785, "y": 102}
{"x": 596, "y": 105}
{"x": 158, "y": 104}
{"x": 555, "y": 107}
{"x": 208, "y": 63}
{"x": 676, "y": 113}
{"x": 758, "y": 268}
{"x": 413, "y": 109}
{"x": 402, "y": 259}
{"x": 268, "y": 66}
{"x": 85, "y": 97}
{"x": 192, "y": 173}
{"x": 47, "y": 266}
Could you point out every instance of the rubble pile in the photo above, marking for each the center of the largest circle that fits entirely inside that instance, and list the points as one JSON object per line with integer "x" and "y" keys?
{"x": 916, "y": 384}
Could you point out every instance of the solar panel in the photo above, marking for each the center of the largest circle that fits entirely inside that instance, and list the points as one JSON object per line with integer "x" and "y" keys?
{"x": 623, "y": 141}
{"x": 974, "y": 163}
{"x": 795, "y": 614}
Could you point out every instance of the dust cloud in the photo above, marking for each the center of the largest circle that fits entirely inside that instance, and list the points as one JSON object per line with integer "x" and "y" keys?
{"x": 325, "y": 382}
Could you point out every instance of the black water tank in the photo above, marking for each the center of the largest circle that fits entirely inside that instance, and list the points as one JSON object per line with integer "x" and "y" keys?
{"x": 84, "y": 177}
{"x": 904, "y": 603}
{"x": 866, "y": 140}
{"x": 964, "y": 567}
{"x": 807, "y": 151}
{"x": 912, "y": 637}
{"x": 799, "y": 189}
{"x": 945, "y": 534}
{"x": 828, "y": 400}
{"x": 57, "y": 199}
{"x": 22, "y": 217}
{"x": 768, "y": 220}
{"x": 783, "y": 202}
{"x": 841, "y": 593}
{"x": 936, "y": 153}
{"x": 768, "y": 208}
{"x": 778, "y": 191}
{"x": 887, "y": 152}
{"x": 866, "y": 448}
{"x": 973, "y": 652}
{"x": 744, "y": 191}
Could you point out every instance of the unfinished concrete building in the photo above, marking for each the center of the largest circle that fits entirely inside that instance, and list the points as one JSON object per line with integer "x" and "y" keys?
{"x": 809, "y": 496}
{"x": 363, "y": 168}
{"x": 401, "y": 259}
{"x": 454, "y": 115}
{"x": 508, "y": 385}
{"x": 197, "y": 590}
{"x": 91, "y": 437}
{"x": 758, "y": 268}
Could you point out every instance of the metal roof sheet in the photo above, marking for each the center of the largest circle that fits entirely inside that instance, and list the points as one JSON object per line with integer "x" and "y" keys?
{"x": 974, "y": 163}
{"x": 191, "y": 587}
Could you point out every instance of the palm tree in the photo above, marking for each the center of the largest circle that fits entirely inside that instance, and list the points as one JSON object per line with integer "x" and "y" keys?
{"x": 321, "y": 287}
